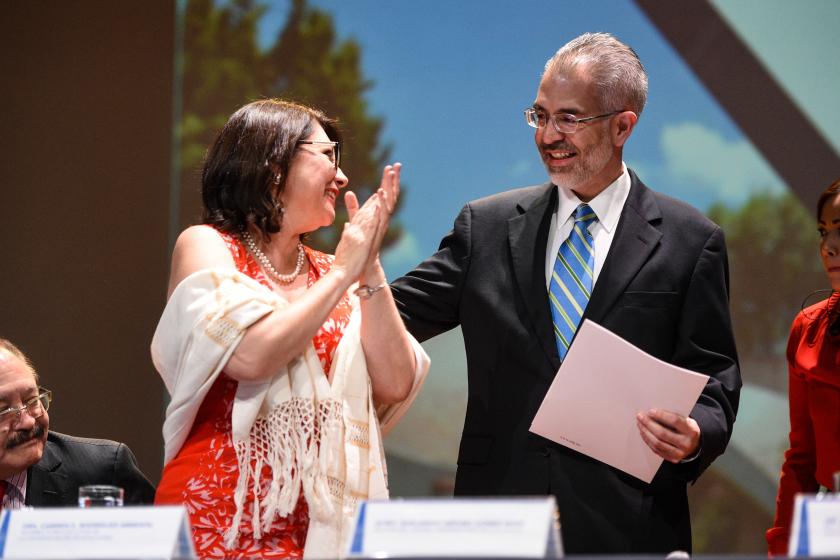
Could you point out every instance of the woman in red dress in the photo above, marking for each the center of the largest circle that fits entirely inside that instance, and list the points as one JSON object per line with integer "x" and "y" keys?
{"x": 274, "y": 353}
{"x": 813, "y": 355}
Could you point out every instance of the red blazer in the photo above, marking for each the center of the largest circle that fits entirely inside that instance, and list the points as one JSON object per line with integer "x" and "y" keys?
{"x": 814, "y": 374}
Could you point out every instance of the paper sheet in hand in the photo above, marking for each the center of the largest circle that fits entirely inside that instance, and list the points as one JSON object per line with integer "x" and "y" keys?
{"x": 604, "y": 381}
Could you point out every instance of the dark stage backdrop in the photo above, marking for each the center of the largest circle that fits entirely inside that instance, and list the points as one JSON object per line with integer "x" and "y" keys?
{"x": 84, "y": 152}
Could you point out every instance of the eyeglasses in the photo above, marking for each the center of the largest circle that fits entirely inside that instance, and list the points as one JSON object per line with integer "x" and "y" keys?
{"x": 335, "y": 157}
{"x": 34, "y": 407}
{"x": 563, "y": 122}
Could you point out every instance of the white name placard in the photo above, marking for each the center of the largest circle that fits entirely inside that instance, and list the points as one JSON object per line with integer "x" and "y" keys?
{"x": 119, "y": 532}
{"x": 461, "y": 527}
{"x": 815, "y": 530}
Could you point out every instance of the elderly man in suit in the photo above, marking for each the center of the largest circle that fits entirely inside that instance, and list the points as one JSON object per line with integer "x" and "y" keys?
{"x": 43, "y": 468}
{"x": 521, "y": 269}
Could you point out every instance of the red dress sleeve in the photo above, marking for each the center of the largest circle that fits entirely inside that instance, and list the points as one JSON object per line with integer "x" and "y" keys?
{"x": 799, "y": 467}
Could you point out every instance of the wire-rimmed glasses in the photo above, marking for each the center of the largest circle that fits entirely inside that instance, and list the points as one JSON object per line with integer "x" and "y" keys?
{"x": 335, "y": 158}
{"x": 564, "y": 123}
{"x": 34, "y": 407}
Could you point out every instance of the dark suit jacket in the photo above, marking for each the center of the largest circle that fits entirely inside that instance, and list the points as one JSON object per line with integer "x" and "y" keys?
{"x": 69, "y": 462}
{"x": 663, "y": 287}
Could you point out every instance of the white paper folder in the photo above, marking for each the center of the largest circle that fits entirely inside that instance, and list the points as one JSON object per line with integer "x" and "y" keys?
{"x": 604, "y": 381}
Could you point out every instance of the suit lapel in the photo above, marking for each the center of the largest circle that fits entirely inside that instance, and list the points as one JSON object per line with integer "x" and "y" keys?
{"x": 528, "y": 237}
{"x": 635, "y": 238}
{"x": 45, "y": 486}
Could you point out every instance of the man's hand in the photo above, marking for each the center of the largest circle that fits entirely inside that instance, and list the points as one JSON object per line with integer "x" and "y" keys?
{"x": 669, "y": 435}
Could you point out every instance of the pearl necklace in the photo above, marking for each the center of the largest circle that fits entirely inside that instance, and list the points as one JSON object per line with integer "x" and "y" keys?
{"x": 266, "y": 264}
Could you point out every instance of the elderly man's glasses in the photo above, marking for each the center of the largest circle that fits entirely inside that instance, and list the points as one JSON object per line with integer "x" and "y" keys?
{"x": 563, "y": 122}
{"x": 34, "y": 407}
{"x": 335, "y": 156}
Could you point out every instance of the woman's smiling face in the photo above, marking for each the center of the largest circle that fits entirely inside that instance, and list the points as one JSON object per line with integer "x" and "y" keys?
{"x": 313, "y": 185}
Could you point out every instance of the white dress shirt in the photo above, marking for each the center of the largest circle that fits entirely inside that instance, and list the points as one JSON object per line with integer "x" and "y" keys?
{"x": 607, "y": 206}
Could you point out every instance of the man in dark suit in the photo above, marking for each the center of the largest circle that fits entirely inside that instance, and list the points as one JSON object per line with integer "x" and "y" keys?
{"x": 43, "y": 468}
{"x": 522, "y": 268}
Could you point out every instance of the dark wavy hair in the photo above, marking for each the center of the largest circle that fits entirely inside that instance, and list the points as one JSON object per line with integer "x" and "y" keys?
{"x": 238, "y": 184}
{"x": 829, "y": 193}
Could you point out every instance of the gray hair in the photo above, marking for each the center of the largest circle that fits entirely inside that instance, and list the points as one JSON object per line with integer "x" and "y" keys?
{"x": 614, "y": 68}
{"x": 17, "y": 353}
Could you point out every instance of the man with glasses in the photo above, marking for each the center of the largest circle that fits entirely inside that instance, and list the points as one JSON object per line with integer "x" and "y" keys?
{"x": 43, "y": 468}
{"x": 522, "y": 269}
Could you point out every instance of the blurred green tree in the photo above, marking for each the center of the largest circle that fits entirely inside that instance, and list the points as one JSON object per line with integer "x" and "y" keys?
{"x": 774, "y": 254}
{"x": 221, "y": 64}
{"x": 224, "y": 68}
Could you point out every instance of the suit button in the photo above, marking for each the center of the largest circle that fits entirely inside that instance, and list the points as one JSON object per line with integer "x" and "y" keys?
{"x": 545, "y": 452}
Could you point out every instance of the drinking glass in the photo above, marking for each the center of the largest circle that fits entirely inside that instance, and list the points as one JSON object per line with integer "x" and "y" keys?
{"x": 100, "y": 495}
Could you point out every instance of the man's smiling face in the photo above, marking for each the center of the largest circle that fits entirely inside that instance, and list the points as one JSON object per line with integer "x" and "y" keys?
{"x": 22, "y": 437}
{"x": 585, "y": 161}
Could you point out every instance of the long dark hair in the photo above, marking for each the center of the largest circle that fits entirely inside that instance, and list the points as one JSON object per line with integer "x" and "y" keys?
{"x": 239, "y": 183}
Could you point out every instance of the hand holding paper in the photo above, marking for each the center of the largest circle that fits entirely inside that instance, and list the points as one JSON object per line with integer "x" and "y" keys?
{"x": 672, "y": 436}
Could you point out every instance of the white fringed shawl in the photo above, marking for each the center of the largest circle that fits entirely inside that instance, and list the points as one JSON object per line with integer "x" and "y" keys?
{"x": 319, "y": 437}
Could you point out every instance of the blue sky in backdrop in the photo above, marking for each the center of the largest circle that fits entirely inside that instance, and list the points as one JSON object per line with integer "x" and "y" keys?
{"x": 451, "y": 80}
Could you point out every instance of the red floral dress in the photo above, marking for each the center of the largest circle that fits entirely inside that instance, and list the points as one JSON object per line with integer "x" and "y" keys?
{"x": 203, "y": 474}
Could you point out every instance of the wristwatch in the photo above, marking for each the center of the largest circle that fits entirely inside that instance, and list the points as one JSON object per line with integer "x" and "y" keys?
{"x": 364, "y": 291}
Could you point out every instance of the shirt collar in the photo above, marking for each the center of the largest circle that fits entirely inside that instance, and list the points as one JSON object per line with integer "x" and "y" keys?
{"x": 607, "y": 205}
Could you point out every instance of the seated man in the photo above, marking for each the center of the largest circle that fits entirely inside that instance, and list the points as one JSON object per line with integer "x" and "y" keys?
{"x": 43, "y": 468}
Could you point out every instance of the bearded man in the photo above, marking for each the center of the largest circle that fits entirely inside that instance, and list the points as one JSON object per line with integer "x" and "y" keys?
{"x": 521, "y": 269}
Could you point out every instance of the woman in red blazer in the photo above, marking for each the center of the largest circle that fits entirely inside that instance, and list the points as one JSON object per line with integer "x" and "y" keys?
{"x": 813, "y": 354}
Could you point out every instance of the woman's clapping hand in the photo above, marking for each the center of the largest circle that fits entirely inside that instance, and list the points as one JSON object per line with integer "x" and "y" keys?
{"x": 358, "y": 249}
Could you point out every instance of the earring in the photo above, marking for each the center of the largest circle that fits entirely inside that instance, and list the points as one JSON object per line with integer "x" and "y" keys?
{"x": 277, "y": 178}
{"x": 279, "y": 213}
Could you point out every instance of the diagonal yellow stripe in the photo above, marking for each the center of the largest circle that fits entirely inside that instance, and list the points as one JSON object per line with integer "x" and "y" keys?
{"x": 560, "y": 310}
{"x": 571, "y": 272}
{"x": 582, "y": 262}
{"x": 569, "y": 295}
{"x": 583, "y": 237}
{"x": 560, "y": 336}
{"x": 589, "y": 216}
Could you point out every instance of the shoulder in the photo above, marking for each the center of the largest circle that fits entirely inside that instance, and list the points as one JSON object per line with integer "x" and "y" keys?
{"x": 512, "y": 200}
{"x": 817, "y": 312}
{"x": 73, "y": 444}
{"x": 96, "y": 461}
{"x": 676, "y": 218}
{"x": 203, "y": 236}
{"x": 488, "y": 216}
{"x": 489, "y": 213}
{"x": 814, "y": 310}
{"x": 809, "y": 326}
{"x": 675, "y": 209}
{"x": 198, "y": 248}
{"x": 82, "y": 454}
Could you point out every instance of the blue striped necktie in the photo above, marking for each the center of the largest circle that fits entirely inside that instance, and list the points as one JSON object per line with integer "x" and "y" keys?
{"x": 572, "y": 279}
